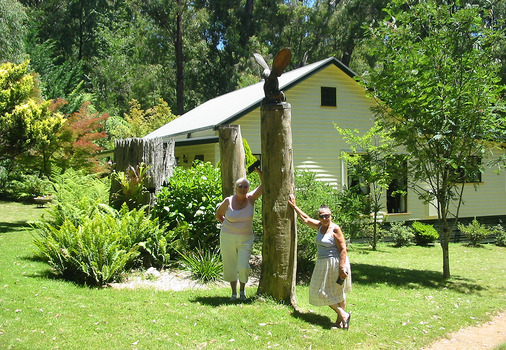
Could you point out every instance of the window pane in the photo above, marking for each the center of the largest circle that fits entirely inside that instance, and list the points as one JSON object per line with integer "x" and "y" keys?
{"x": 328, "y": 96}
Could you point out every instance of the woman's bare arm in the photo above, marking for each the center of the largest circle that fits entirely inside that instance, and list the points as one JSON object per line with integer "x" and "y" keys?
{"x": 306, "y": 219}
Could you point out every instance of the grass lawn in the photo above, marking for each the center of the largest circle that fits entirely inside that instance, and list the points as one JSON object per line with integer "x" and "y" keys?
{"x": 399, "y": 301}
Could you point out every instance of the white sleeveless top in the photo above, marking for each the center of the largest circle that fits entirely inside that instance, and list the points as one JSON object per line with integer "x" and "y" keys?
{"x": 326, "y": 244}
{"x": 238, "y": 221}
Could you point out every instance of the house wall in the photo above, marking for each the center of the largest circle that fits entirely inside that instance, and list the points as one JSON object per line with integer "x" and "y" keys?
{"x": 210, "y": 151}
{"x": 317, "y": 145}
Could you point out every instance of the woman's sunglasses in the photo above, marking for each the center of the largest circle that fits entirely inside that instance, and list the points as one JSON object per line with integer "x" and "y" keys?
{"x": 324, "y": 216}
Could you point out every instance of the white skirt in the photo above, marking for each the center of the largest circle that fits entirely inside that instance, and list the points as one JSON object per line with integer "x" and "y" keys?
{"x": 323, "y": 289}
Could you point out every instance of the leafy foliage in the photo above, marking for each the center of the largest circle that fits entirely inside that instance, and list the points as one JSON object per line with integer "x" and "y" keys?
{"x": 77, "y": 196}
{"x": 500, "y": 235}
{"x": 60, "y": 79}
{"x": 12, "y": 31}
{"x": 87, "y": 253}
{"x": 25, "y": 119}
{"x": 205, "y": 265}
{"x": 425, "y": 234}
{"x": 143, "y": 122}
{"x": 438, "y": 94}
{"x": 102, "y": 246}
{"x": 311, "y": 194}
{"x": 138, "y": 122}
{"x": 475, "y": 232}
{"x": 80, "y": 137}
{"x": 402, "y": 234}
{"x": 372, "y": 163}
{"x": 191, "y": 196}
{"x": 22, "y": 186}
{"x": 133, "y": 190}
{"x": 353, "y": 212}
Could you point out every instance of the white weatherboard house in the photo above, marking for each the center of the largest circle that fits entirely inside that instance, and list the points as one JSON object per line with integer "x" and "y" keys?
{"x": 321, "y": 94}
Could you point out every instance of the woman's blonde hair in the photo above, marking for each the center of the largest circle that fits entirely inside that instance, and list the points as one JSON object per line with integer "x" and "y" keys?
{"x": 241, "y": 180}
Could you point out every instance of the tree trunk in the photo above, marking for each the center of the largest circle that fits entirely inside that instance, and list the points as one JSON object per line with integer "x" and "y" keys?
{"x": 445, "y": 240}
{"x": 232, "y": 158}
{"x": 444, "y": 235}
{"x": 179, "y": 59}
{"x": 375, "y": 230}
{"x": 279, "y": 258}
{"x": 156, "y": 154}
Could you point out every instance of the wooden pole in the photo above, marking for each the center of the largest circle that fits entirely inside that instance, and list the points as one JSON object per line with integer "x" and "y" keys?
{"x": 232, "y": 157}
{"x": 279, "y": 259}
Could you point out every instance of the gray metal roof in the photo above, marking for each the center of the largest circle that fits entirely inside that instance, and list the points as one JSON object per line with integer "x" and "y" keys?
{"x": 229, "y": 107}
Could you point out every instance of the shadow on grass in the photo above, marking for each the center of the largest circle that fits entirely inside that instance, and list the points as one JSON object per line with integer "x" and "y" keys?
{"x": 405, "y": 278}
{"x": 13, "y": 226}
{"x": 217, "y": 301}
{"x": 314, "y": 319}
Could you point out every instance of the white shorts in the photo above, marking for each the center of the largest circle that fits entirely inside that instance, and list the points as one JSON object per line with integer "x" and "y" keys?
{"x": 235, "y": 254}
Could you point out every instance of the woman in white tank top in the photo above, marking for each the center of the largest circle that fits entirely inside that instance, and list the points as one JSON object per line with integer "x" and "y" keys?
{"x": 236, "y": 234}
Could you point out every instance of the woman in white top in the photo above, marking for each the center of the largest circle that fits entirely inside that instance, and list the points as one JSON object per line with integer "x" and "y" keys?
{"x": 236, "y": 234}
{"x": 331, "y": 277}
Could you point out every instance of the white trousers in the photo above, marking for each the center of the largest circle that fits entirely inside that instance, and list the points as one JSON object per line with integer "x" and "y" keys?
{"x": 235, "y": 254}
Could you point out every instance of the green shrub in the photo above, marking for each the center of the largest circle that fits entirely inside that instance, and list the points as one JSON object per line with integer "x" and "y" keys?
{"x": 153, "y": 241}
{"x": 401, "y": 234}
{"x": 425, "y": 234}
{"x": 101, "y": 247}
{"x": 353, "y": 213}
{"x": 22, "y": 186}
{"x": 77, "y": 196}
{"x": 500, "y": 235}
{"x": 310, "y": 195}
{"x": 204, "y": 265}
{"x": 131, "y": 186}
{"x": 367, "y": 231}
{"x": 192, "y": 196}
{"x": 475, "y": 232}
{"x": 90, "y": 253}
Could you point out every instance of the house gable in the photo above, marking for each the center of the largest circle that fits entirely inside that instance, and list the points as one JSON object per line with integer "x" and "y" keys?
{"x": 316, "y": 143}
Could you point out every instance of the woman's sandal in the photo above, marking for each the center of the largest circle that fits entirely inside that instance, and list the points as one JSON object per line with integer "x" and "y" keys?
{"x": 337, "y": 325}
{"x": 347, "y": 323}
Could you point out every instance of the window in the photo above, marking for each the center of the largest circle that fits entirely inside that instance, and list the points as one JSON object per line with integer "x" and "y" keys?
{"x": 397, "y": 191}
{"x": 199, "y": 157}
{"x": 328, "y": 96}
{"x": 356, "y": 183}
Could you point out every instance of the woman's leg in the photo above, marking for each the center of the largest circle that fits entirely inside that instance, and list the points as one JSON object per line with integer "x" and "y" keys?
{"x": 244, "y": 253}
{"x": 229, "y": 257}
{"x": 342, "y": 316}
{"x": 233, "y": 285}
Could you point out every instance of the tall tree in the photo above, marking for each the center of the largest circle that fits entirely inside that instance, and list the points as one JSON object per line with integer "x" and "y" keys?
{"x": 350, "y": 17}
{"x": 12, "y": 31}
{"x": 169, "y": 16}
{"x": 438, "y": 93}
{"x": 70, "y": 23}
{"x": 130, "y": 62}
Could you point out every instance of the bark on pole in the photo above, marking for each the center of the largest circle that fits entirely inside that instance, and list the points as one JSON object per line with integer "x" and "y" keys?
{"x": 232, "y": 157}
{"x": 155, "y": 153}
{"x": 279, "y": 259}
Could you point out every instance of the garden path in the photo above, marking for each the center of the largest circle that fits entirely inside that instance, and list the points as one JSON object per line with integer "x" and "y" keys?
{"x": 485, "y": 336}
